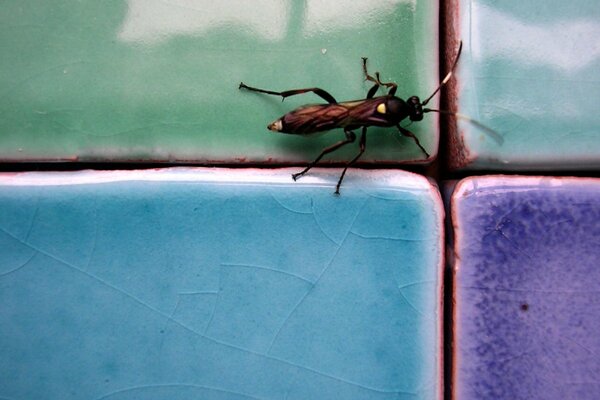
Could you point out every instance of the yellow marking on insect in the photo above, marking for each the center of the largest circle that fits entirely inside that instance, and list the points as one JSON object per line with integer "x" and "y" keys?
{"x": 381, "y": 108}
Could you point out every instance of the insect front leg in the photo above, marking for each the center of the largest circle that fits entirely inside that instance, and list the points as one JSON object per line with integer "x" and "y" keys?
{"x": 318, "y": 91}
{"x": 363, "y": 144}
{"x": 393, "y": 87}
{"x": 411, "y": 135}
{"x": 350, "y": 137}
{"x": 368, "y": 77}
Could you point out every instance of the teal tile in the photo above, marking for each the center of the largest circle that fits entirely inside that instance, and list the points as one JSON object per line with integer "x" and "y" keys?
{"x": 530, "y": 71}
{"x": 219, "y": 284}
{"x": 141, "y": 80}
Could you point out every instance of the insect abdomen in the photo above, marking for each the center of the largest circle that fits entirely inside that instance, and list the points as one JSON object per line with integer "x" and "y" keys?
{"x": 313, "y": 118}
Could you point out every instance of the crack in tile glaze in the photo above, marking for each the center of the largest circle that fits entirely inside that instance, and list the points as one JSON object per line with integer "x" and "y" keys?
{"x": 203, "y": 336}
{"x": 175, "y": 385}
{"x": 291, "y": 382}
{"x": 314, "y": 214}
{"x": 317, "y": 280}
{"x": 95, "y": 242}
{"x": 514, "y": 244}
{"x": 290, "y": 209}
{"x": 33, "y": 218}
{"x": 268, "y": 269}
{"x": 29, "y": 230}
{"x": 197, "y": 293}
{"x": 415, "y": 283}
{"x": 400, "y": 287}
{"x": 167, "y": 322}
{"x": 214, "y": 310}
{"x": 171, "y": 317}
{"x": 76, "y": 268}
{"x": 498, "y": 229}
{"x": 2, "y": 275}
{"x": 399, "y": 239}
{"x": 504, "y": 217}
{"x": 410, "y": 303}
{"x": 394, "y": 198}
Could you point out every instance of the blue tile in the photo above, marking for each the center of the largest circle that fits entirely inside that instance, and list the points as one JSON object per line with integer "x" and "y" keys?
{"x": 527, "y": 285}
{"x": 219, "y": 284}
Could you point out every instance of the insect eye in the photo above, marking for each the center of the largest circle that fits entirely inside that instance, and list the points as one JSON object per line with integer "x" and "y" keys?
{"x": 381, "y": 108}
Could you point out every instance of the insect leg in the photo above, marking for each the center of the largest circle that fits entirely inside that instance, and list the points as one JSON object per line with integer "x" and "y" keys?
{"x": 368, "y": 77}
{"x": 318, "y": 91}
{"x": 372, "y": 91}
{"x": 362, "y": 144}
{"x": 411, "y": 135}
{"x": 393, "y": 87}
{"x": 350, "y": 137}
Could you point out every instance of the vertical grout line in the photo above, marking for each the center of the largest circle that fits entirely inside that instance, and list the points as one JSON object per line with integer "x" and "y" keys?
{"x": 445, "y": 30}
{"x": 447, "y": 310}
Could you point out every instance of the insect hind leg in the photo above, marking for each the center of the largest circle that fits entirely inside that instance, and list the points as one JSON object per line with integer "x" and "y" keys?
{"x": 350, "y": 137}
{"x": 318, "y": 91}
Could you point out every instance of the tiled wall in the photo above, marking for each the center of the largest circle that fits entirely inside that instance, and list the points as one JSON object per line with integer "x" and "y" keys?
{"x": 194, "y": 280}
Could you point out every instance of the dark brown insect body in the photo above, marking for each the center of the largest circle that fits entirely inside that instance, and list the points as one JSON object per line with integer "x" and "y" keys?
{"x": 383, "y": 111}
{"x": 349, "y": 115}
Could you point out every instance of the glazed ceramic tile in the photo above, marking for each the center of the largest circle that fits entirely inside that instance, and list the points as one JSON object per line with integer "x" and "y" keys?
{"x": 530, "y": 71}
{"x": 139, "y": 80}
{"x": 219, "y": 284}
{"x": 527, "y": 288}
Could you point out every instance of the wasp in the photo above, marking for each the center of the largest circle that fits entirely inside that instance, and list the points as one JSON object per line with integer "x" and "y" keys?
{"x": 383, "y": 111}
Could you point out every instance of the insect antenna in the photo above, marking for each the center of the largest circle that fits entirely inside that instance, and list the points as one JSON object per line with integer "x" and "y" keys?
{"x": 447, "y": 78}
{"x": 489, "y": 131}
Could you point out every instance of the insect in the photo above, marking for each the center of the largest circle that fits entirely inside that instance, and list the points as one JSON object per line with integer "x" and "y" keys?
{"x": 382, "y": 111}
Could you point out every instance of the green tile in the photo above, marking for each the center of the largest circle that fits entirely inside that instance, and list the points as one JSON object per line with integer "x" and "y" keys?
{"x": 153, "y": 80}
{"x": 531, "y": 71}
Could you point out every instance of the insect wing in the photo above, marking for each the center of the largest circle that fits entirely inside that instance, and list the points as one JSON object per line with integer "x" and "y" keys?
{"x": 314, "y": 118}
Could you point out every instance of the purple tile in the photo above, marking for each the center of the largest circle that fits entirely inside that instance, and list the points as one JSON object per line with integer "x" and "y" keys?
{"x": 527, "y": 288}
